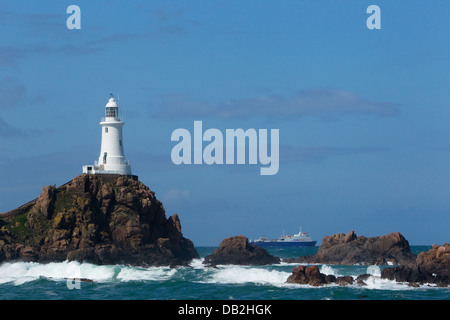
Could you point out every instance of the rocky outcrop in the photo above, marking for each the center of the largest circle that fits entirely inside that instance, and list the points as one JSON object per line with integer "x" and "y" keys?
{"x": 432, "y": 266}
{"x": 311, "y": 275}
{"x": 237, "y": 250}
{"x": 307, "y": 275}
{"x": 102, "y": 219}
{"x": 427, "y": 267}
{"x": 349, "y": 249}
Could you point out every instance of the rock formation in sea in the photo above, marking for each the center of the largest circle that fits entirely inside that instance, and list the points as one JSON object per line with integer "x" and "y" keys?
{"x": 349, "y": 249}
{"x": 101, "y": 219}
{"x": 237, "y": 250}
{"x": 312, "y": 276}
{"x": 432, "y": 266}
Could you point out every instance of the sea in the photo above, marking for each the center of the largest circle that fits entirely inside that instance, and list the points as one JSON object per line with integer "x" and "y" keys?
{"x": 85, "y": 281}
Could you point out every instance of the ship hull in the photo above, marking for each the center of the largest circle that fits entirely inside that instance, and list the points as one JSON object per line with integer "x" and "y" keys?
{"x": 284, "y": 243}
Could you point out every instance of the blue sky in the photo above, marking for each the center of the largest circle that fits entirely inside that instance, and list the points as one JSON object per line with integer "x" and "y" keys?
{"x": 363, "y": 114}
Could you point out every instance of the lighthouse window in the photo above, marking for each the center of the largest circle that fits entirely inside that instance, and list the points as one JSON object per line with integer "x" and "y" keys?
{"x": 120, "y": 142}
{"x": 111, "y": 112}
{"x": 106, "y": 130}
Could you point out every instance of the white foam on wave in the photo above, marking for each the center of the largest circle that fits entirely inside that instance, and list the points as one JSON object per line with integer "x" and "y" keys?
{"x": 378, "y": 283}
{"x": 374, "y": 270}
{"x": 374, "y": 281}
{"x": 19, "y": 273}
{"x": 197, "y": 264}
{"x": 140, "y": 274}
{"x": 240, "y": 275}
{"x": 22, "y": 272}
{"x": 328, "y": 270}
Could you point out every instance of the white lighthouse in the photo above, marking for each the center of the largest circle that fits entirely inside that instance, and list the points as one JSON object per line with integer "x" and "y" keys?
{"x": 112, "y": 158}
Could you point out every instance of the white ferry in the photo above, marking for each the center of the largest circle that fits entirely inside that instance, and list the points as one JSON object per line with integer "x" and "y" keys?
{"x": 301, "y": 239}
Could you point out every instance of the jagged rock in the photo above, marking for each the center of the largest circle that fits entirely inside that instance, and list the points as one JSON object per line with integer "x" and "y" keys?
{"x": 435, "y": 261}
{"x": 311, "y": 275}
{"x": 237, "y": 250}
{"x": 432, "y": 266}
{"x": 307, "y": 275}
{"x": 344, "y": 280}
{"x": 360, "y": 280}
{"x": 102, "y": 219}
{"x": 349, "y": 249}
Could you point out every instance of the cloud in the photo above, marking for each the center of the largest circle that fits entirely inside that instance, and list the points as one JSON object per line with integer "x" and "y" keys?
{"x": 171, "y": 22}
{"x": 66, "y": 49}
{"x": 58, "y": 39}
{"x": 7, "y": 131}
{"x": 290, "y": 153}
{"x": 174, "y": 195}
{"x": 165, "y": 15}
{"x": 12, "y": 93}
{"x": 37, "y": 22}
{"x": 9, "y": 56}
{"x": 115, "y": 38}
{"x": 323, "y": 103}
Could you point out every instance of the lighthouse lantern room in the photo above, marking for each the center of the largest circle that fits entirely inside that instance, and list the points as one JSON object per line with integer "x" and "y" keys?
{"x": 112, "y": 158}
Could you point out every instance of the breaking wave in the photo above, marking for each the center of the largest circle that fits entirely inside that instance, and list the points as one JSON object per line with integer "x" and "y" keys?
{"x": 22, "y": 272}
{"x": 19, "y": 273}
{"x": 242, "y": 275}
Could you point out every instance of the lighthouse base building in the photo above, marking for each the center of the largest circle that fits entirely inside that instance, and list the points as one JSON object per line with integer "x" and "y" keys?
{"x": 112, "y": 158}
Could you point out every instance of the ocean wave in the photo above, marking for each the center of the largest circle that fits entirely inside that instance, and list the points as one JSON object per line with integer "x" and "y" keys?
{"x": 240, "y": 275}
{"x": 329, "y": 270}
{"x": 23, "y": 272}
{"x": 143, "y": 274}
{"x": 374, "y": 270}
{"x": 19, "y": 273}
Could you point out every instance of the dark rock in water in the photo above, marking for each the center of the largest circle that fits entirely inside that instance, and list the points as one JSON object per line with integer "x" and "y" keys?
{"x": 427, "y": 267}
{"x": 311, "y": 275}
{"x": 436, "y": 261}
{"x": 344, "y": 280}
{"x": 101, "y": 219}
{"x": 349, "y": 249}
{"x": 403, "y": 274}
{"x": 237, "y": 250}
{"x": 80, "y": 279}
{"x": 432, "y": 266}
{"x": 307, "y": 275}
{"x": 361, "y": 278}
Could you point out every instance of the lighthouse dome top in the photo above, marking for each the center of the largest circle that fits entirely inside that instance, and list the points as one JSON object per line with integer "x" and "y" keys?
{"x": 111, "y": 103}
{"x": 111, "y": 111}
